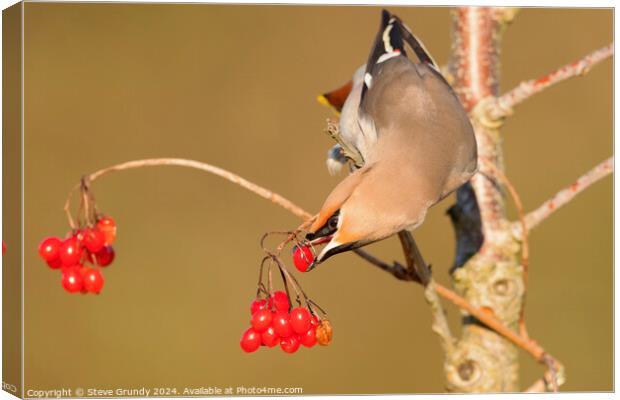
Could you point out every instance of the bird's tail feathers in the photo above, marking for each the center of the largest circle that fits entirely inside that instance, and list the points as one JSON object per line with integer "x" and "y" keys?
{"x": 390, "y": 42}
{"x": 416, "y": 44}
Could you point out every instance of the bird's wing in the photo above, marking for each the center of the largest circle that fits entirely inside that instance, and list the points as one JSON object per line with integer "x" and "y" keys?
{"x": 415, "y": 118}
{"x": 411, "y": 112}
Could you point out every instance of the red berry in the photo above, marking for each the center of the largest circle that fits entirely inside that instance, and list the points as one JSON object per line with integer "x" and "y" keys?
{"x": 302, "y": 258}
{"x": 300, "y": 320}
{"x": 314, "y": 321}
{"x": 93, "y": 280}
{"x": 73, "y": 268}
{"x": 72, "y": 280}
{"x": 261, "y": 320}
{"x": 93, "y": 240}
{"x": 3, "y": 247}
{"x": 258, "y": 305}
{"x": 281, "y": 324}
{"x": 290, "y": 344}
{"x": 308, "y": 338}
{"x": 105, "y": 256}
{"x": 279, "y": 300}
{"x": 49, "y": 247}
{"x": 108, "y": 227}
{"x": 70, "y": 252}
{"x": 270, "y": 338}
{"x": 55, "y": 263}
{"x": 250, "y": 341}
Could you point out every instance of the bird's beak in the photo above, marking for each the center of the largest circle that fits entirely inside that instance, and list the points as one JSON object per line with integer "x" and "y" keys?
{"x": 316, "y": 239}
{"x": 333, "y": 246}
{"x": 336, "y": 98}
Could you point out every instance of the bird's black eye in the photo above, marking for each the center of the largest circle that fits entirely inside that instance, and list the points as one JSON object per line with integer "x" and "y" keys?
{"x": 332, "y": 224}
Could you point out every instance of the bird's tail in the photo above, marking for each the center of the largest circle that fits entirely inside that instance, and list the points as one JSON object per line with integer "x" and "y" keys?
{"x": 416, "y": 44}
{"x": 390, "y": 41}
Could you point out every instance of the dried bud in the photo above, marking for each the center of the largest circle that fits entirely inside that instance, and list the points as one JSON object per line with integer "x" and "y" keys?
{"x": 324, "y": 333}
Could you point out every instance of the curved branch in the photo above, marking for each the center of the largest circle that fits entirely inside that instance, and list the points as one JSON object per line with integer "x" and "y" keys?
{"x": 503, "y": 105}
{"x": 533, "y": 218}
{"x": 180, "y": 162}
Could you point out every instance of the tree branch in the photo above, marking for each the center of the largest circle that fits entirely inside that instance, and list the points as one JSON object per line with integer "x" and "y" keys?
{"x": 397, "y": 269}
{"x": 486, "y": 318}
{"x": 180, "y": 162}
{"x": 525, "y": 246}
{"x": 503, "y": 106}
{"x": 530, "y": 346}
{"x": 440, "y": 322}
{"x": 418, "y": 268}
{"x": 551, "y": 380}
{"x": 534, "y": 218}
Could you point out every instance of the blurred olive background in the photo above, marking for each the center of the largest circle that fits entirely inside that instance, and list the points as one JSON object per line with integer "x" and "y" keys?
{"x": 236, "y": 86}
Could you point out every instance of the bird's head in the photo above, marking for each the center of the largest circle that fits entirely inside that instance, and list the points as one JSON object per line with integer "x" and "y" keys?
{"x": 354, "y": 215}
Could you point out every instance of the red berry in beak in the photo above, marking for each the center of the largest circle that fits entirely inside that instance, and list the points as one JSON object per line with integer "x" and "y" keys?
{"x": 302, "y": 258}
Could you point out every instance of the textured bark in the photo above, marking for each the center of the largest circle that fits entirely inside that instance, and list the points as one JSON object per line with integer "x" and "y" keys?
{"x": 487, "y": 272}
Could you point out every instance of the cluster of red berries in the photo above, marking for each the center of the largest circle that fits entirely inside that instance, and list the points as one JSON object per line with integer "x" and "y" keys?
{"x": 303, "y": 257}
{"x": 86, "y": 245}
{"x": 273, "y": 324}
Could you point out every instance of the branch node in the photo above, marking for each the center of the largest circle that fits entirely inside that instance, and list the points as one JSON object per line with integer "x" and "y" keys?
{"x": 491, "y": 113}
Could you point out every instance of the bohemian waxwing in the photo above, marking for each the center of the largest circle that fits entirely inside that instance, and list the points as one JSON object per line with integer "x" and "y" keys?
{"x": 408, "y": 137}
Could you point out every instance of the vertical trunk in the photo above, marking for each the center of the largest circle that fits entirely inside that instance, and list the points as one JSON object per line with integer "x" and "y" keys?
{"x": 486, "y": 271}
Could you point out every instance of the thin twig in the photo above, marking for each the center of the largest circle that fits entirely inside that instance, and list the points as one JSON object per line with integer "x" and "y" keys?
{"x": 533, "y": 218}
{"x": 503, "y": 105}
{"x": 180, "y": 162}
{"x": 525, "y": 246}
